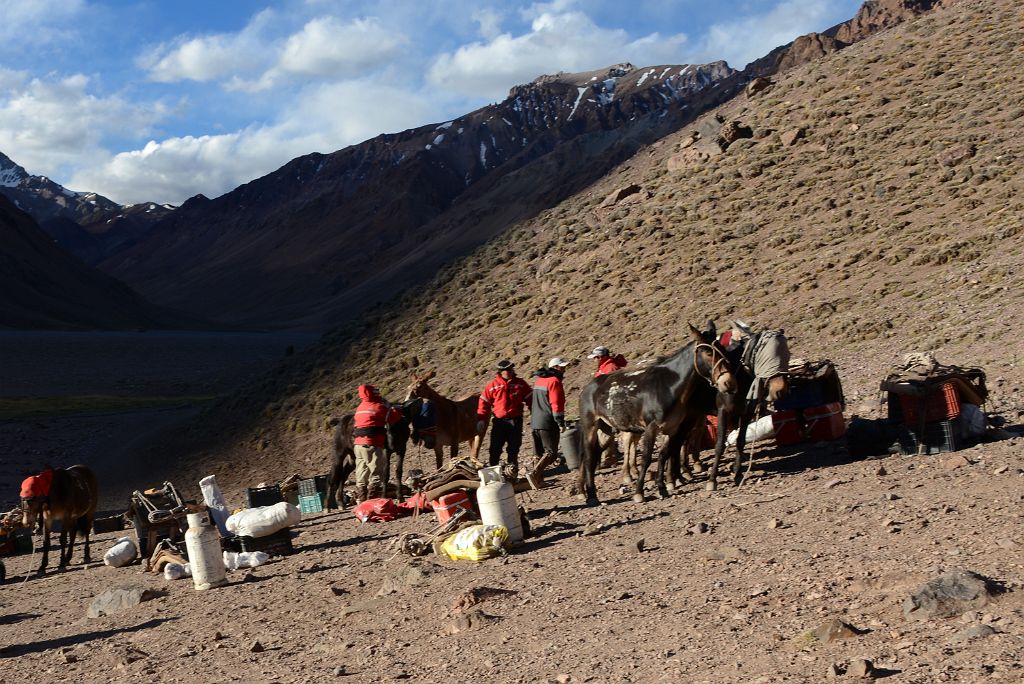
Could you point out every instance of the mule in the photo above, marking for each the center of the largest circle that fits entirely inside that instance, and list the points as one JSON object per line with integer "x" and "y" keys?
{"x": 343, "y": 458}
{"x": 666, "y": 397}
{"x": 760, "y": 365}
{"x": 71, "y": 497}
{"x": 456, "y": 420}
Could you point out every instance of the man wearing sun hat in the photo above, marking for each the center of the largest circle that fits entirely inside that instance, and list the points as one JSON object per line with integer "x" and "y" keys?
{"x": 504, "y": 398}
{"x": 606, "y": 362}
{"x": 547, "y": 416}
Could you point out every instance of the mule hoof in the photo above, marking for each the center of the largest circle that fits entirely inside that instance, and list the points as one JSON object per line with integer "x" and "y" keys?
{"x": 593, "y": 501}
{"x": 638, "y": 498}
{"x": 711, "y": 486}
{"x": 698, "y": 467}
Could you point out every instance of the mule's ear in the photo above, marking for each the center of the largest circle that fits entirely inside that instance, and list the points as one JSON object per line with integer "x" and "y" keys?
{"x": 430, "y": 374}
{"x": 695, "y": 333}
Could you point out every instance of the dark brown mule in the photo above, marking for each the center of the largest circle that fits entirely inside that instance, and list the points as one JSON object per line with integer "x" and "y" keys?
{"x": 72, "y": 500}
{"x": 666, "y": 397}
{"x": 456, "y": 420}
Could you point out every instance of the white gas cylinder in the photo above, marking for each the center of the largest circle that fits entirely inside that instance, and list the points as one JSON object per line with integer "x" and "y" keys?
{"x": 204, "y": 554}
{"x": 497, "y": 501}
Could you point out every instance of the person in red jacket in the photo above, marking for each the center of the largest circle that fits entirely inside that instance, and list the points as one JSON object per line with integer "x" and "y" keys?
{"x": 547, "y": 417}
{"x": 369, "y": 433}
{"x": 504, "y": 398}
{"x": 606, "y": 363}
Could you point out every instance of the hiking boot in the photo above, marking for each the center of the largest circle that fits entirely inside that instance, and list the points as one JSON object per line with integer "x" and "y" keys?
{"x": 360, "y": 494}
{"x": 536, "y": 476}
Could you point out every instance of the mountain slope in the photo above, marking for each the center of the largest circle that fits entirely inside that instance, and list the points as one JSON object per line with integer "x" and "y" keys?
{"x": 45, "y": 287}
{"x": 875, "y": 210}
{"x": 290, "y": 247}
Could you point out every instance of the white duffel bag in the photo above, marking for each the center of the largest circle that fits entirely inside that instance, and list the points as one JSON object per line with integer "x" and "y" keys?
{"x": 263, "y": 521}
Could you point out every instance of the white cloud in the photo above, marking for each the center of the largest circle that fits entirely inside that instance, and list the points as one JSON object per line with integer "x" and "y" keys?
{"x": 489, "y": 22}
{"x": 327, "y": 46}
{"x": 253, "y": 60}
{"x": 47, "y": 125}
{"x": 322, "y": 119}
{"x": 742, "y": 41}
{"x": 36, "y": 21}
{"x": 557, "y": 41}
{"x": 211, "y": 57}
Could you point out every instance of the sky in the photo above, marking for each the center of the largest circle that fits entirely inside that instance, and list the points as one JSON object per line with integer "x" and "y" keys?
{"x": 152, "y": 100}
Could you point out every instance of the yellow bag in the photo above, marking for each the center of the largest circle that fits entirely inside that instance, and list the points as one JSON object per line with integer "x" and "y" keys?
{"x": 476, "y": 543}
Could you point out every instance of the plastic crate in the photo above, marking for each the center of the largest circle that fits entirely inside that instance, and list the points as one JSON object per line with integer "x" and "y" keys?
{"x": 938, "y": 438}
{"x": 942, "y": 404}
{"x": 277, "y": 544}
{"x": 311, "y": 504}
{"x": 825, "y": 423}
{"x": 263, "y": 496}
{"x": 803, "y": 394}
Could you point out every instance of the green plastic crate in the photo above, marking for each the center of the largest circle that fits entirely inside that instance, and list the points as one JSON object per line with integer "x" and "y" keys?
{"x": 311, "y": 504}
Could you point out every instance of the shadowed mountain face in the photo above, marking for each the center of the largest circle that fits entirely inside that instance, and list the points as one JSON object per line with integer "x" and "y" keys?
{"x": 86, "y": 224}
{"x": 327, "y": 235}
{"x": 45, "y": 287}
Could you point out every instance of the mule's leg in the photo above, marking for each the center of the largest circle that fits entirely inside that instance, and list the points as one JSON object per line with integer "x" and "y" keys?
{"x": 672, "y": 451}
{"x": 741, "y": 440}
{"x": 72, "y": 538}
{"x": 398, "y": 473}
{"x": 46, "y": 547}
{"x": 386, "y": 475}
{"x": 648, "y": 446}
{"x": 723, "y": 428}
{"x": 588, "y": 467}
{"x": 63, "y": 545}
{"x": 333, "y": 482}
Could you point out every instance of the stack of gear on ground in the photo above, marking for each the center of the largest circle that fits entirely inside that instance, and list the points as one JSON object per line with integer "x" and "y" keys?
{"x": 936, "y": 408}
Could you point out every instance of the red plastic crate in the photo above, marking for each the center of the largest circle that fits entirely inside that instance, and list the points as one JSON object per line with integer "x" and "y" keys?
{"x": 448, "y": 505}
{"x": 943, "y": 404}
{"x": 825, "y": 423}
{"x": 787, "y": 428}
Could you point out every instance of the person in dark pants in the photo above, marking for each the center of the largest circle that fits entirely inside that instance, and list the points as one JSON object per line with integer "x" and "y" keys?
{"x": 547, "y": 417}
{"x": 504, "y": 398}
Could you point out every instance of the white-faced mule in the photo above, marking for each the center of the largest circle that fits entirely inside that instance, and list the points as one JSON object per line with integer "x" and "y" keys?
{"x": 667, "y": 397}
{"x": 69, "y": 495}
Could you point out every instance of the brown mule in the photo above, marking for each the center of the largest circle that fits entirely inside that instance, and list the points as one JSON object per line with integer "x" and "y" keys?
{"x": 456, "y": 420}
{"x": 72, "y": 498}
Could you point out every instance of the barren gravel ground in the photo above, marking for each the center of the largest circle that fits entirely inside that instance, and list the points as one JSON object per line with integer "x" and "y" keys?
{"x": 728, "y": 604}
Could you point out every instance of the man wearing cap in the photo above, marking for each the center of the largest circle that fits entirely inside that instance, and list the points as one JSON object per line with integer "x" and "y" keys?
{"x": 606, "y": 363}
{"x": 369, "y": 433}
{"x": 547, "y": 416}
{"x": 504, "y": 398}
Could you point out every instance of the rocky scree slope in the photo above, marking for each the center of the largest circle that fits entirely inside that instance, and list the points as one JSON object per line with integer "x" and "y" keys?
{"x": 874, "y": 210}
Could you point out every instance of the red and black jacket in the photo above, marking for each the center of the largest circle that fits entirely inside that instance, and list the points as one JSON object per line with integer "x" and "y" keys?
{"x": 610, "y": 364}
{"x": 504, "y": 398}
{"x": 372, "y": 418}
{"x": 548, "y": 409}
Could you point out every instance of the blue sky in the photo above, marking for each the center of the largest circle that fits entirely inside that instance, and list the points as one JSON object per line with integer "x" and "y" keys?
{"x": 157, "y": 101}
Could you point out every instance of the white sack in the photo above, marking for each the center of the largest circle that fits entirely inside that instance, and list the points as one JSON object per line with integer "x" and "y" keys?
{"x": 762, "y": 428}
{"x": 264, "y": 520}
{"x": 245, "y": 559}
{"x": 121, "y": 553}
{"x": 214, "y": 500}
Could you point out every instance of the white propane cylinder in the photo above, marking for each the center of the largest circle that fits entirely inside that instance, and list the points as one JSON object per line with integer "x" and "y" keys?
{"x": 204, "y": 554}
{"x": 497, "y": 501}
